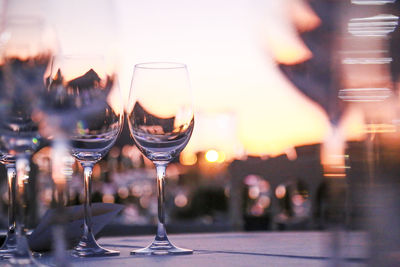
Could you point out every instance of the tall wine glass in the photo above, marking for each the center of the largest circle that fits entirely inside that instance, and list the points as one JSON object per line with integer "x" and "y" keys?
{"x": 87, "y": 89}
{"x": 25, "y": 54}
{"x": 161, "y": 121}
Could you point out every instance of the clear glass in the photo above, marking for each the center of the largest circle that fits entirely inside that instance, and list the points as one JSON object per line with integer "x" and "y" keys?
{"x": 161, "y": 120}
{"x": 87, "y": 89}
{"x": 10, "y": 244}
{"x": 25, "y": 55}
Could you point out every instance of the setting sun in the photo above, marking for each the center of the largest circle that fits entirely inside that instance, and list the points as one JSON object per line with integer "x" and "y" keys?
{"x": 211, "y": 156}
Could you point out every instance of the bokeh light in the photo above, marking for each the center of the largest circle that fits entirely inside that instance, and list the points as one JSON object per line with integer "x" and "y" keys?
{"x": 211, "y": 156}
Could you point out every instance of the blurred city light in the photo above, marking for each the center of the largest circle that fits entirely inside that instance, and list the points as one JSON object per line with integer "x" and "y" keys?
{"x": 280, "y": 191}
{"x": 188, "y": 158}
{"x": 180, "y": 200}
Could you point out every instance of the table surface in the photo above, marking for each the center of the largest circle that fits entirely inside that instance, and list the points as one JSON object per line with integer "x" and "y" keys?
{"x": 238, "y": 249}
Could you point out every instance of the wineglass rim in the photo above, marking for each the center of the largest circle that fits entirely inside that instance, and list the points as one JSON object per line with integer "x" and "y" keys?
{"x": 160, "y": 65}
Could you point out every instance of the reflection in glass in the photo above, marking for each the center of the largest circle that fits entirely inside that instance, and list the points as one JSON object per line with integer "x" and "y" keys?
{"x": 161, "y": 121}
{"x": 85, "y": 87}
{"x": 25, "y": 55}
{"x": 10, "y": 244}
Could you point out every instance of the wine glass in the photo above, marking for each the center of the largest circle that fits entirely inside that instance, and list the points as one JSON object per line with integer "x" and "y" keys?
{"x": 10, "y": 244}
{"x": 161, "y": 121}
{"x": 87, "y": 89}
{"x": 25, "y": 54}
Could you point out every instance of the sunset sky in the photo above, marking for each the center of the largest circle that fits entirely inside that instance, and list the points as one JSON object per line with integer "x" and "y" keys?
{"x": 243, "y": 102}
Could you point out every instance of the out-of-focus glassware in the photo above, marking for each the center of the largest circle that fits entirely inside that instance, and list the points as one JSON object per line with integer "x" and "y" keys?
{"x": 10, "y": 243}
{"x": 161, "y": 121}
{"x": 368, "y": 63}
{"x": 25, "y": 54}
{"x": 86, "y": 87}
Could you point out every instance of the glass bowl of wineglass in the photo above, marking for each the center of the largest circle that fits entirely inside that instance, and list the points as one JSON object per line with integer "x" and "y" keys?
{"x": 85, "y": 87}
{"x": 161, "y": 120}
{"x": 26, "y": 50}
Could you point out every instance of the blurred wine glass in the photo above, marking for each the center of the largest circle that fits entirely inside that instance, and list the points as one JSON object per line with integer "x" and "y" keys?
{"x": 10, "y": 244}
{"x": 161, "y": 121}
{"x": 26, "y": 50}
{"x": 85, "y": 87}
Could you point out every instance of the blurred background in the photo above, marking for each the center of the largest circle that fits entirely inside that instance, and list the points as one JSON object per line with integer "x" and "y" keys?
{"x": 297, "y": 113}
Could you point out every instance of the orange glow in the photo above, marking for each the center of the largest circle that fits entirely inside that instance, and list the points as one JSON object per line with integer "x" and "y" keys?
{"x": 211, "y": 156}
{"x": 107, "y": 198}
{"x": 291, "y": 52}
{"x": 335, "y": 175}
{"x": 217, "y": 131}
{"x": 243, "y": 103}
{"x": 299, "y": 121}
{"x": 221, "y": 157}
{"x": 23, "y": 169}
{"x": 332, "y": 150}
{"x": 380, "y": 128}
{"x": 280, "y": 191}
{"x": 188, "y": 158}
{"x": 303, "y": 16}
{"x": 114, "y": 99}
{"x": 352, "y": 124}
{"x": 180, "y": 200}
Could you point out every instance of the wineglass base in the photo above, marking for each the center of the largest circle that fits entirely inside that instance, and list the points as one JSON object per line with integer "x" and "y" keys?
{"x": 7, "y": 253}
{"x": 97, "y": 251}
{"x": 162, "y": 248}
{"x": 26, "y": 262}
{"x": 8, "y": 248}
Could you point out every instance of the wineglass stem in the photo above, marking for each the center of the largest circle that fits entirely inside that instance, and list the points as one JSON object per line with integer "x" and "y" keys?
{"x": 161, "y": 232}
{"x": 88, "y": 246}
{"x": 11, "y": 178}
{"x": 10, "y": 242}
{"x": 22, "y": 253}
{"x": 87, "y": 228}
{"x": 59, "y": 243}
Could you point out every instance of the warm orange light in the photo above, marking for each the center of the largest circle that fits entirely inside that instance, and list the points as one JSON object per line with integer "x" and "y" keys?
{"x": 303, "y": 16}
{"x": 297, "y": 126}
{"x": 335, "y": 175}
{"x": 181, "y": 200}
{"x": 211, "y": 156}
{"x": 221, "y": 157}
{"x": 352, "y": 124}
{"x": 380, "y": 128}
{"x": 290, "y": 54}
{"x": 217, "y": 131}
{"x": 108, "y": 198}
{"x": 332, "y": 150}
{"x": 280, "y": 191}
{"x": 114, "y": 99}
{"x": 23, "y": 169}
{"x": 188, "y": 158}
